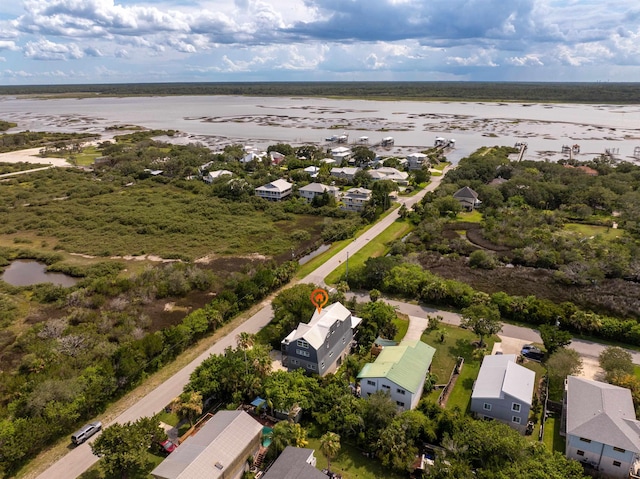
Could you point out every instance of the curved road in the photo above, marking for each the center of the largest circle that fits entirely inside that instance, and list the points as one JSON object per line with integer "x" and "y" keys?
{"x": 80, "y": 458}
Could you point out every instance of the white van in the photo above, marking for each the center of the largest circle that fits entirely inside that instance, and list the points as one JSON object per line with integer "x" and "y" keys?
{"x": 85, "y": 432}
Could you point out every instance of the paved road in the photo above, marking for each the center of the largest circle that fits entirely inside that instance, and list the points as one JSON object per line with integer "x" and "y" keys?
{"x": 587, "y": 349}
{"x": 80, "y": 459}
{"x": 24, "y": 172}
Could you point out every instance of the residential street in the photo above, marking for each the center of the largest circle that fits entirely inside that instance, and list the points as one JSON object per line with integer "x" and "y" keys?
{"x": 80, "y": 459}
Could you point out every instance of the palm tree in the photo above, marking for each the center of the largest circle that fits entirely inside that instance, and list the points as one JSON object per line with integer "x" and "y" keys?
{"x": 188, "y": 406}
{"x": 330, "y": 446}
{"x": 245, "y": 341}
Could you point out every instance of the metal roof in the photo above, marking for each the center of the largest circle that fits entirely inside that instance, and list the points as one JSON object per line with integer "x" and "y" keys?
{"x": 500, "y": 375}
{"x": 293, "y": 463}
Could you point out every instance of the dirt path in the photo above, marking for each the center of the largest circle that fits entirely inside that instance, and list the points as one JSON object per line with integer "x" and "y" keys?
{"x": 31, "y": 156}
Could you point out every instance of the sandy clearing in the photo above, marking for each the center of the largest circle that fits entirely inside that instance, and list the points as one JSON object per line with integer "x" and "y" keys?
{"x": 30, "y": 156}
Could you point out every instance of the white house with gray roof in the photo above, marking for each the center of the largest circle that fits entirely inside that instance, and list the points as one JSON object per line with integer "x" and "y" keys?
{"x": 355, "y": 199}
{"x": 310, "y": 191}
{"x": 503, "y": 391}
{"x": 321, "y": 345}
{"x": 219, "y": 450}
{"x": 601, "y": 427}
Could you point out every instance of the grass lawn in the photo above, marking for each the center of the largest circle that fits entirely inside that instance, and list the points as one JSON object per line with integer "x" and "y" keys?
{"x": 351, "y": 464}
{"x": 86, "y": 157}
{"x": 592, "y": 230}
{"x": 378, "y": 246}
{"x": 403, "y": 325}
{"x": 169, "y": 418}
{"x": 552, "y": 438}
{"x": 457, "y": 342}
{"x": 469, "y": 217}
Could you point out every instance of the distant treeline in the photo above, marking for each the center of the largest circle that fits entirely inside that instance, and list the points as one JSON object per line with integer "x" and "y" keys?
{"x": 472, "y": 91}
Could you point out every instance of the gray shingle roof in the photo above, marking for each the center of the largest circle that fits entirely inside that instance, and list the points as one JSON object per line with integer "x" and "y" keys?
{"x": 500, "y": 375}
{"x": 603, "y": 413}
{"x": 292, "y": 464}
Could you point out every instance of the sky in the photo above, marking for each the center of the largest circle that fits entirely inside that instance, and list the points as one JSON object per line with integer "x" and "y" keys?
{"x": 123, "y": 41}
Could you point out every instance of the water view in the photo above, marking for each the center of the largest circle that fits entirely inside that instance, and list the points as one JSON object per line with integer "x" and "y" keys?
{"x": 259, "y": 121}
{"x": 27, "y": 273}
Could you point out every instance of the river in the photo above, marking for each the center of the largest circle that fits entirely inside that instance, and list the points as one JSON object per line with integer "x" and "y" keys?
{"x": 259, "y": 121}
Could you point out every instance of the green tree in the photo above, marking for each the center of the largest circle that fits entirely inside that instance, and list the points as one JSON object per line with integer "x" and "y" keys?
{"x": 123, "y": 449}
{"x": 554, "y": 338}
{"x": 482, "y": 319}
{"x": 287, "y": 433}
{"x": 188, "y": 406}
{"x": 615, "y": 361}
{"x": 330, "y": 446}
{"x": 362, "y": 155}
{"x": 564, "y": 362}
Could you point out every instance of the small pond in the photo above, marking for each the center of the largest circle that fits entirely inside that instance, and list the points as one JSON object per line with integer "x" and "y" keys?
{"x": 27, "y": 273}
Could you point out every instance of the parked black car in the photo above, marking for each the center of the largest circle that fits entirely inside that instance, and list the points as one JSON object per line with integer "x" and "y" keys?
{"x": 529, "y": 351}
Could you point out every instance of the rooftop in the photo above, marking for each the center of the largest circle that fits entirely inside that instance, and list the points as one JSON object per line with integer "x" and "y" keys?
{"x": 500, "y": 375}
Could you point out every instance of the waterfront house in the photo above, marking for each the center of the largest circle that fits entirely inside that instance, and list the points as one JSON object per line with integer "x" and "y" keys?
{"x": 387, "y": 173}
{"x": 355, "y": 199}
{"x": 399, "y": 371}
{"x": 417, "y": 160}
{"x": 503, "y": 391}
{"x": 321, "y": 345}
{"x": 602, "y": 431}
{"x": 219, "y": 450}
{"x": 275, "y": 191}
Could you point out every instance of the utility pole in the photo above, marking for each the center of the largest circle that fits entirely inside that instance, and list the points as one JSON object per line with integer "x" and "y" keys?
{"x": 346, "y": 275}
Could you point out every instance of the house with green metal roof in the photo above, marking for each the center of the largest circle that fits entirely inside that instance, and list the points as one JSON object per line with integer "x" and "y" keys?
{"x": 399, "y": 371}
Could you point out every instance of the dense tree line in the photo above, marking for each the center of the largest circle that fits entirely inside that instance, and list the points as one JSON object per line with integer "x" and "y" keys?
{"x": 34, "y": 139}
{"x": 479, "y": 91}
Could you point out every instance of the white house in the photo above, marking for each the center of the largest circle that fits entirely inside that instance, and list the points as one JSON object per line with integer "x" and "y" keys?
{"x": 219, "y": 450}
{"x": 399, "y": 371}
{"x": 347, "y": 173}
{"x": 341, "y": 154}
{"x": 214, "y": 175}
{"x": 355, "y": 199}
{"x": 310, "y": 191}
{"x": 602, "y": 430}
{"x": 275, "y": 191}
{"x": 387, "y": 173}
{"x": 312, "y": 171}
{"x": 503, "y": 391}
{"x": 417, "y": 160}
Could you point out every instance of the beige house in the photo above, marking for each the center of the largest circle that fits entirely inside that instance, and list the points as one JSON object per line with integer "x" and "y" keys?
{"x": 355, "y": 199}
{"x": 310, "y": 191}
{"x": 275, "y": 191}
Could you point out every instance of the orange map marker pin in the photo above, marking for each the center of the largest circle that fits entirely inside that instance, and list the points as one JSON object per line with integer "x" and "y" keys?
{"x": 319, "y": 297}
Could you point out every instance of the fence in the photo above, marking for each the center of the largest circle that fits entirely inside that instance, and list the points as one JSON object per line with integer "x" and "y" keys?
{"x": 452, "y": 379}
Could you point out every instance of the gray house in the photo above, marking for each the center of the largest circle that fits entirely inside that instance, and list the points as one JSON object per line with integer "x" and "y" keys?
{"x": 295, "y": 463}
{"x": 503, "y": 391}
{"x": 321, "y": 345}
{"x": 217, "y": 451}
{"x": 601, "y": 427}
{"x": 467, "y": 198}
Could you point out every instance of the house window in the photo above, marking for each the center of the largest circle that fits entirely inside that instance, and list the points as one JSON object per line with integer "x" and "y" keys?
{"x": 322, "y": 365}
{"x": 515, "y": 407}
{"x": 617, "y": 463}
{"x": 401, "y": 404}
{"x": 294, "y": 361}
{"x": 371, "y": 383}
{"x": 302, "y": 352}
{"x": 400, "y": 391}
{"x": 579, "y": 452}
{"x": 619, "y": 449}
{"x": 343, "y": 339}
{"x": 386, "y": 386}
{"x": 312, "y": 367}
{"x": 515, "y": 419}
{"x": 302, "y": 343}
{"x": 584, "y": 439}
{"x": 486, "y": 406}
{"x": 331, "y": 354}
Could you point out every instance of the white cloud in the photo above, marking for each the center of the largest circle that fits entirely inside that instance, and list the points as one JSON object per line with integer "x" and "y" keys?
{"x": 526, "y": 60}
{"x": 46, "y": 50}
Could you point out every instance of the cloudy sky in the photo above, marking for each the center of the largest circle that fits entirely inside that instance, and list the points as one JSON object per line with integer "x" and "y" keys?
{"x": 108, "y": 41}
